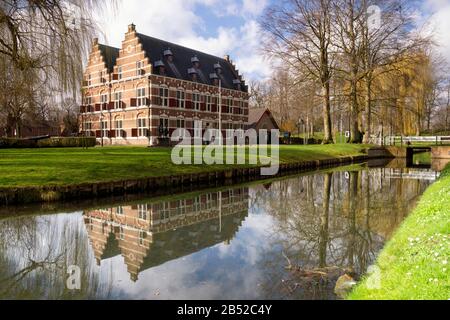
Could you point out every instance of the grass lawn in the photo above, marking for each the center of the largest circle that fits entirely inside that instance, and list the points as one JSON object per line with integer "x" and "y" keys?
{"x": 37, "y": 167}
{"x": 415, "y": 263}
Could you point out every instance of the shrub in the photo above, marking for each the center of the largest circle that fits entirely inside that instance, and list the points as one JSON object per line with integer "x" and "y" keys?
{"x": 73, "y": 142}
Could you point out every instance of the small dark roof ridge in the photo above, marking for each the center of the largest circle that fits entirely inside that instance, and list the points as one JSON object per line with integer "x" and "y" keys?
{"x": 108, "y": 46}
{"x": 171, "y": 45}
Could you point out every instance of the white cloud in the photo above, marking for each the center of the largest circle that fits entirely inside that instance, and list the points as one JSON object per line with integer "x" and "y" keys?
{"x": 439, "y": 24}
{"x": 179, "y": 21}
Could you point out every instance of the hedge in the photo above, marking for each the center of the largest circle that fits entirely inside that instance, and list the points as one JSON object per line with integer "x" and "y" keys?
{"x": 72, "y": 142}
{"x": 299, "y": 141}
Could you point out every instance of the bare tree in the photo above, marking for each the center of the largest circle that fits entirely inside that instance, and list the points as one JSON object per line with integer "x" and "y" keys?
{"x": 52, "y": 36}
{"x": 299, "y": 34}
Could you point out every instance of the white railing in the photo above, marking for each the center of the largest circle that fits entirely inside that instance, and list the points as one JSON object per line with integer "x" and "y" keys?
{"x": 404, "y": 141}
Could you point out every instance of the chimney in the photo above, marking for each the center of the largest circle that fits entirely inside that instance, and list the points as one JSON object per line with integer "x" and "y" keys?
{"x": 95, "y": 41}
{"x": 227, "y": 58}
{"x": 131, "y": 28}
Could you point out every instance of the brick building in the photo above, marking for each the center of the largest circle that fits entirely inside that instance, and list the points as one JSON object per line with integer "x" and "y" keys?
{"x": 142, "y": 92}
{"x": 150, "y": 234}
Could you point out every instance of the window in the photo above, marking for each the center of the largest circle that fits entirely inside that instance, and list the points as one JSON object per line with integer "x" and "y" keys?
{"x": 196, "y": 100}
{"x": 241, "y": 106}
{"x": 104, "y": 101}
{"x": 87, "y": 126}
{"x": 104, "y": 129}
{"x": 142, "y": 127}
{"x": 140, "y": 68}
{"x": 119, "y": 211}
{"x": 181, "y": 97}
{"x": 208, "y": 103}
{"x": 164, "y": 94}
{"x": 163, "y": 127}
{"x": 141, "y": 237}
{"x": 230, "y": 105}
{"x": 88, "y": 101}
{"x": 89, "y": 80}
{"x": 119, "y": 128}
{"x": 117, "y": 100}
{"x": 119, "y": 73}
{"x": 121, "y": 233}
{"x": 180, "y": 124}
{"x": 142, "y": 210}
{"x": 102, "y": 75}
{"x": 141, "y": 100}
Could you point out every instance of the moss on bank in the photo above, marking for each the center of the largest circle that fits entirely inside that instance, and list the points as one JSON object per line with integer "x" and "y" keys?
{"x": 415, "y": 263}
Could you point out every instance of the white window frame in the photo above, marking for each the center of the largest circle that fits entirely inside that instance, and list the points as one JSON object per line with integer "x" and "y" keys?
{"x": 117, "y": 99}
{"x": 196, "y": 101}
{"x": 230, "y": 105}
{"x": 164, "y": 96}
{"x": 143, "y": 212}
{"x": 119, "y": 73}
{"x": 139, "y": 67}
{"x": 118, "y": 124}
{"x": 104, "y": 126}
{"x": 142, "y": 127}
{"x": 208, "y": 98}
{"x": 140, "y": 97}
{"x": 181, "y": 99}
{"x": 88, "y": 101}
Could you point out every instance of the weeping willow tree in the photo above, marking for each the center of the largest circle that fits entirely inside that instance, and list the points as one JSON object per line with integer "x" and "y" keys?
{"x": 402, "y": 94}
{"x": 51, "y": 36}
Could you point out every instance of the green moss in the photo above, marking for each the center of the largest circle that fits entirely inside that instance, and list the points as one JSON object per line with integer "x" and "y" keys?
{"x": 69, "y": 166}
{"x": 414, "y": 264}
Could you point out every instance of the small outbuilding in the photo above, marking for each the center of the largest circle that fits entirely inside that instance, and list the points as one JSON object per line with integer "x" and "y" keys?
{"x": 261, "y": 119}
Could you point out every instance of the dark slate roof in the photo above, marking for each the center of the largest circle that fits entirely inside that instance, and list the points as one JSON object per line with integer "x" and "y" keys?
{"x": 110, "y": 55}
{"x": 182, "y": 56}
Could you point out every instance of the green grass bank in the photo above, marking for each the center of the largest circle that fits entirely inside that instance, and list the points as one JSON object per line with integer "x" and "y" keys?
{"x": 414, "y": 265}
{"x": 73, "y": 166}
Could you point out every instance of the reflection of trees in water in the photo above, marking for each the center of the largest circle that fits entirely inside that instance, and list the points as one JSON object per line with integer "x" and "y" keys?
{"x": 339, "y": 220}
{"x": 35, "y": 254}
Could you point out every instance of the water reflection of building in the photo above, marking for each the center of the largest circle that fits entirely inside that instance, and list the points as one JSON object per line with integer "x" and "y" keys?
{"x": 148, "y": 235}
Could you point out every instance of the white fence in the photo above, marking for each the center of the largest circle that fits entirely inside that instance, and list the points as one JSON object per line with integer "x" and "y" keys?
{"x": 403, "y": 141}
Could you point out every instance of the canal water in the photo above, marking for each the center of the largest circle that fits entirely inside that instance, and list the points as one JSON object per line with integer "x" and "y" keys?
{"x": 284, "y": 239}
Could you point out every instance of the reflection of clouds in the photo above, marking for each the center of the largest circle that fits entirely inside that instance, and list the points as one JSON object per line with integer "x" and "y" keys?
{"x": 203, "y": 275}
{"x": 249, "y": 267}
{"x": 220, "y": 272}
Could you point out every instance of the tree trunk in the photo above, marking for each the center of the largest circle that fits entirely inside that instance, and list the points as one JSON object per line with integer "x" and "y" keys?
{"x": 354, "y": 131}
{"x": 324, "y": 221}
{"x": 328, "y": 137}
{"x": 368, "y": 113}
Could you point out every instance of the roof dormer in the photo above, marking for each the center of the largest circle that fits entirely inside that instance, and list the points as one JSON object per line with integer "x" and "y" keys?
{"x": 161, "y": 67}
{"x": 193, "y": 74}
{"x": 168, "y": 54}
{"x": 195, "y": 62}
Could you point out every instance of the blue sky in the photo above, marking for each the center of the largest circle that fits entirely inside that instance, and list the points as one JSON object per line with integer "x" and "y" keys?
{"x": 222, "y": 27}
